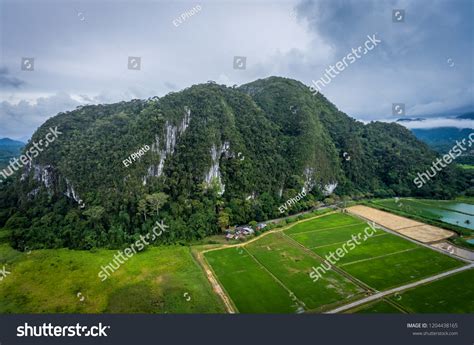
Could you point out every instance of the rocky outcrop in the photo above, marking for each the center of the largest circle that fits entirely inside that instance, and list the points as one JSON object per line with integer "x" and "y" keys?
{"x": 45, "y": 174}
{"x": 214, "y": 173}
{"x": 166, "y": 147}
{"x": 49, "y": 177}
{"x": 329, "y": 188}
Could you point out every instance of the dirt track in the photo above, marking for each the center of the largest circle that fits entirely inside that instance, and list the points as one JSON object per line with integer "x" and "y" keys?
{"x": 215, "y": 285}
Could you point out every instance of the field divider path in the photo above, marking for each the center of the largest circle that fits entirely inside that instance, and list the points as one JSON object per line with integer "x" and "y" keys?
{"x": 333, "y": 267}
{"x": 378, "y": 257}
{"x": 216, "y": 286}
{"x": 274, "y": 277}
{"x": 398, "y": 289}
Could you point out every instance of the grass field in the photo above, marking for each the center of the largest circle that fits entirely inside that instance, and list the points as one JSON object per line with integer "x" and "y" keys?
{"x": 330, "y": 221}
{"x": 252, "y": 290}
{"x": 281, "y": 262}
{"x": 271, "y": 275}
{"x": 267, "y": 275}
{"x": 291, "y": 265}
{"x": 448, "y": 295}
{"x": 466, "y": 199}
{"x": 158, "y": 280}
{"x": 322, "y": 237}
{"x": 453, "y": 294}
{"x": 400, "y": 268}
{"x": 376, "y": 246}
{"x": 381, "y": 261}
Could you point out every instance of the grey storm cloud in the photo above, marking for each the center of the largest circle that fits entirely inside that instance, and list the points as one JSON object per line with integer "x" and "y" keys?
{"x": 16, "y": 117}
{"x": 81, "y": 52}
{"x": 8, "y": 81}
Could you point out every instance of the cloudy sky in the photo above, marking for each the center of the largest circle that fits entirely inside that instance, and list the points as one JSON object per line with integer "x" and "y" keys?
{"x": 81, "y": 51}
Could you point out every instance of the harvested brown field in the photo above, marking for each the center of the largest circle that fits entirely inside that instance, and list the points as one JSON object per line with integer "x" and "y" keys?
{"x": 416, "y": 230}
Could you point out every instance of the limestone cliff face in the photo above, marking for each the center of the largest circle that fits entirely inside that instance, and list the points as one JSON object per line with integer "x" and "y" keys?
{"x": 166, "y": 146}
{"x": 48, "y": 176}
{"x": 214, "y": 173}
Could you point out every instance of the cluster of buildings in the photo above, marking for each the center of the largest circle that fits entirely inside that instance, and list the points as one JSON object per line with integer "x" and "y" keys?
{"x": 240, "y": 232}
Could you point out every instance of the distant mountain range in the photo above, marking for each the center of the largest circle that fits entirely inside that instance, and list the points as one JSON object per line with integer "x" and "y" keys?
{"x": 469, "y": 116}
{"x": 464, "y": 116}
{"x": 410, "y": 119}
{"x": 7, "y": 142}
{"x": 442, "y": 139}
{"x": 9, "y": 149}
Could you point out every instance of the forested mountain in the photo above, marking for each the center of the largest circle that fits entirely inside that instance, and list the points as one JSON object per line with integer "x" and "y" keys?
{"x": 218, "y": 155}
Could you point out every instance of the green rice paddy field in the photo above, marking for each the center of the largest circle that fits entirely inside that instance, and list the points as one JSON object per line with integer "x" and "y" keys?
{"x": 268, "y": 275}
{"x": 158, "y": 280}
{"x": 448, "y": 295}
{"x": 276, "y": 267}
